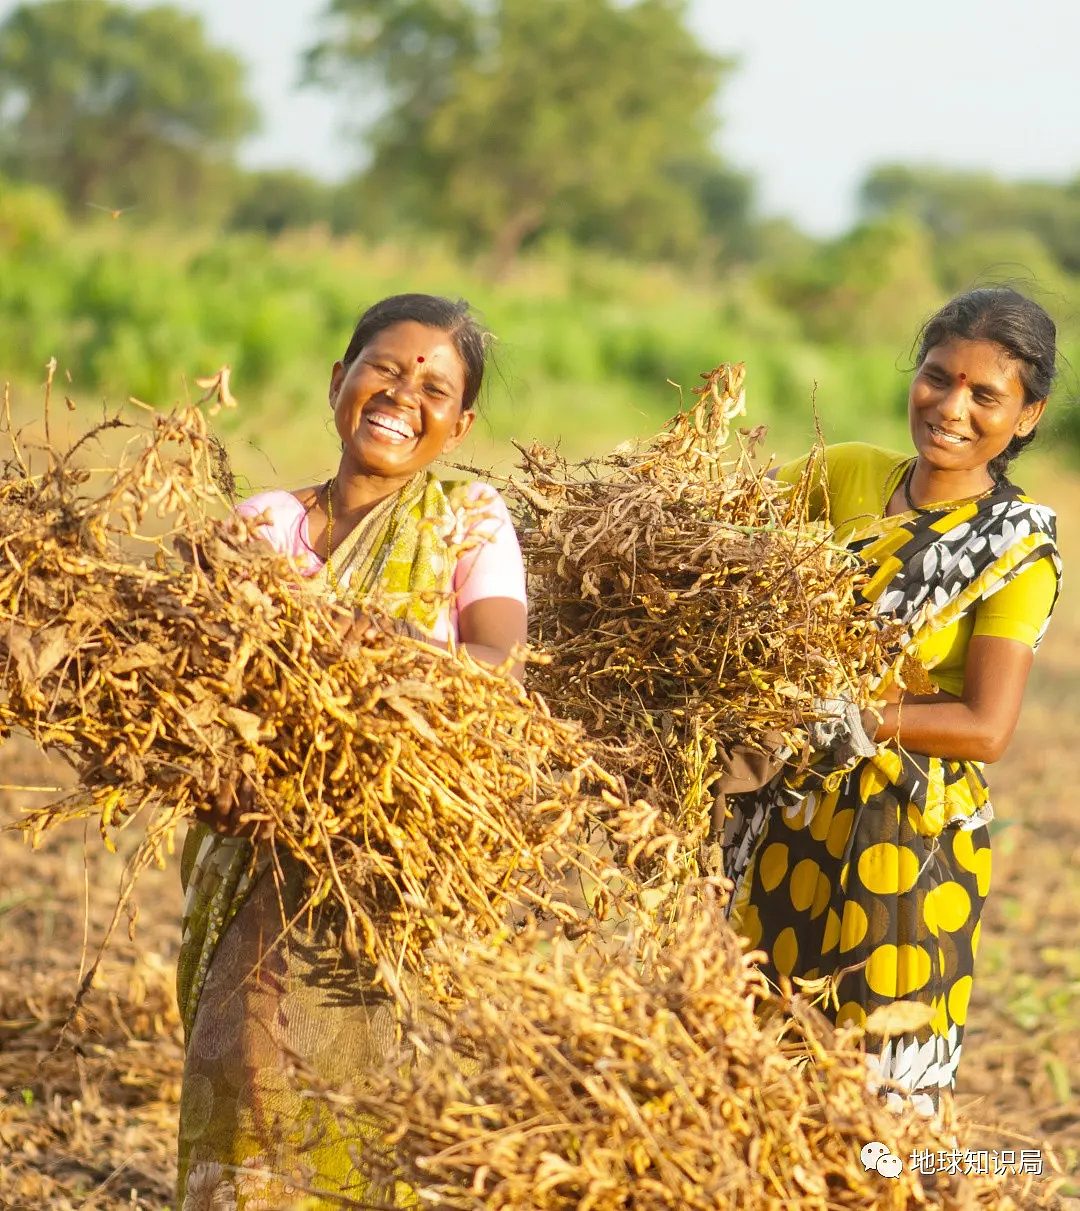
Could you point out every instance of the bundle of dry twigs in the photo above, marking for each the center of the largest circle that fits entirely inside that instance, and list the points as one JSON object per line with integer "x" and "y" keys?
{"x": 665, "y": 1079}
{"x": 420, "y": 790}
{"x": 686, "y": 601}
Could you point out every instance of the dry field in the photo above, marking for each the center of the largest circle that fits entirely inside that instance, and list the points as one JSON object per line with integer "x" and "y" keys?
{"x": 90, "y": 1123}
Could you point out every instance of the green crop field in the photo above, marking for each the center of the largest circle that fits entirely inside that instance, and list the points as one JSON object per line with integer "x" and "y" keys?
{"x": 586, "y": 351}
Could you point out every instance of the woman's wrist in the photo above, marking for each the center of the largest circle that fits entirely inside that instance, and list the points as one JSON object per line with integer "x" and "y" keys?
{"x": 889, "y": 723}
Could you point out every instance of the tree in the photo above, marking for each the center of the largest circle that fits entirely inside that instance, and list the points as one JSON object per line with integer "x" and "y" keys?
{"x": 276, "y": 199}
{"x": 874, "y": 285}
{"x": 954, "y": 205}
{"x": 726, "y": 198}
{"x": 111, "y": 105}
{"x": 510, "y": 117}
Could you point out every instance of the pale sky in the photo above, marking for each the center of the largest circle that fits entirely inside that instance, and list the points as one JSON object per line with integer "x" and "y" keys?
{"x": 826, "y": 89}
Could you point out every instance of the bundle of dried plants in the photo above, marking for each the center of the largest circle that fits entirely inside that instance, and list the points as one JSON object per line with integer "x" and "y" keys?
{"x": 687, "y": 603}
{"x": 420, "y": 790}
{"x": 667, "y": 1079}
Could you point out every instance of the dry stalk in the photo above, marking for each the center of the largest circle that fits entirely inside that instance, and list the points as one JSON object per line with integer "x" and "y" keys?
{"x": 665, "y": 1078}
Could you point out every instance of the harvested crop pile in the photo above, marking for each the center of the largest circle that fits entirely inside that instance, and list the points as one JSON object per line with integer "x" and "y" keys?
{"x": 419, "y": 790}
{"x": 87, "y": 1118}
{"x": 664, "y": 1080}
{"x": 686, "y": 602}
{"x": 93, "y": 1121}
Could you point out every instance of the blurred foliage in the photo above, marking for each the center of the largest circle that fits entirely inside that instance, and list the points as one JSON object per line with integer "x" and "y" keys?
{"x": 30, "y": 217}
{"x": 553, "y": 160}
{"x": 585, "y": 343}
{"x": 875, "y": 284}
{"x": 115, "y": 107}
{"x": 517, "y": 117}
{"x": 274, "y": 200}
{"x": 954, "y": 205}
{"x": 584, "y": 346}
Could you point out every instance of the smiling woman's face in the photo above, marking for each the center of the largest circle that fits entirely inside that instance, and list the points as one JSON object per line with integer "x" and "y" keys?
{"x": 966, "y": 404}
{"x": 398, "y": 406}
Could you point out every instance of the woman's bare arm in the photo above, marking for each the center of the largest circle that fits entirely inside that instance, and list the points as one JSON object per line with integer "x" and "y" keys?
{"x": 977, "y": 726}
{"x": 488, "y": 629}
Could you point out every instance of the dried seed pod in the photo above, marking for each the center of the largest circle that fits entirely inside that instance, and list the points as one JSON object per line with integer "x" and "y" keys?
{"x": 655, "y": 1076}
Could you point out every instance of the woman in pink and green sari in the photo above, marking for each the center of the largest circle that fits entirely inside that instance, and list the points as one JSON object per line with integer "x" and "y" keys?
{"x": 259, "y": 991}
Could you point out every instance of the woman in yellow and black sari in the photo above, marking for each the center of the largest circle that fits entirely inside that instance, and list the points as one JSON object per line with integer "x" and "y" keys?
{"x": 874, "y": 870}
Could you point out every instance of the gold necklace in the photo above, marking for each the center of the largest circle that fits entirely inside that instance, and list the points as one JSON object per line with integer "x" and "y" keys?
{"x": 330, "y": 574}
{"x": 938, "y": 505}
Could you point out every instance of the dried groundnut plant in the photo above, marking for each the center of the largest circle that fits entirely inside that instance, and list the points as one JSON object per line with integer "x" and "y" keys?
{"x": 663, "y": 1078}
{"x": 685, "y": 600}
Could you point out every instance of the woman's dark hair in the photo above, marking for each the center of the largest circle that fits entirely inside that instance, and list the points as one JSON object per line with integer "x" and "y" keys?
{"x": 1020, "y": 326}
{"x": 447, "y": 315}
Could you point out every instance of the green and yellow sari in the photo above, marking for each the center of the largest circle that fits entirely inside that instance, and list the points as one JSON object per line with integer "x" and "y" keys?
{"x": 875, "y": 873}
{"x": 264, "y": 987}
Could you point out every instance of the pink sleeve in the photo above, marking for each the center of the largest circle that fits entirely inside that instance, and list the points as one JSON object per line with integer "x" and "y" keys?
{"x": 494, "y": 568}
{"x": 285, "y": 531}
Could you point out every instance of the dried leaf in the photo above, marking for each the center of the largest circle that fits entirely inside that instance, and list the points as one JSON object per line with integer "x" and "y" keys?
{"x": 901, "y": 1017}
{"x": 248, "y": 726}
{"x": 139, "y": 656}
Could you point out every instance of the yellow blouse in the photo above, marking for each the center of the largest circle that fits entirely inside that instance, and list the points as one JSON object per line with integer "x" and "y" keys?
{"x": 860, "y": 480}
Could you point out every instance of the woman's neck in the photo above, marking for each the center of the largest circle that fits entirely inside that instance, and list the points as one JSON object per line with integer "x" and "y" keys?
{"x": 355, "y": 493}
{"x": 930, "y": 485}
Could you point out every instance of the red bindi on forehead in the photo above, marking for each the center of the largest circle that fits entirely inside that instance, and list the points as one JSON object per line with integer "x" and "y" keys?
{"x": 419, "y": 360}
{"x": 962, "y": 377}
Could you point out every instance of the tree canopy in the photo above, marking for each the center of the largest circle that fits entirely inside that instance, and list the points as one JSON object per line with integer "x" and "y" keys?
{"x": 507, "y": 118}
{"x": 113, "y": 105}
{"x": 875, "y": 283}
{"x": 954, "y": 204}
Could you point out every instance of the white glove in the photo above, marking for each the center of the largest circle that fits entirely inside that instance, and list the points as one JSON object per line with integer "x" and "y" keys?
{"x": 840, "y": 729}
